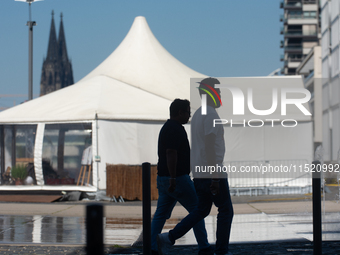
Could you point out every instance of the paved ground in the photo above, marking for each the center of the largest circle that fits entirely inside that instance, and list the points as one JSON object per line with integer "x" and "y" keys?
{"x": 281, "y": 248}
{"x": 243, "y": 205}
{"x": 247, "y": 205}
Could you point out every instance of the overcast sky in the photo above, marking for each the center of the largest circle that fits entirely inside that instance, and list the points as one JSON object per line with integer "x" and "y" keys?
{"x": 220, "y": 38}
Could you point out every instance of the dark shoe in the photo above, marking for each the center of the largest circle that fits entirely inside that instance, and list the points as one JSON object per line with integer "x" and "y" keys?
{"x": 164, "y": 244}
{"x": 206, "y": 251}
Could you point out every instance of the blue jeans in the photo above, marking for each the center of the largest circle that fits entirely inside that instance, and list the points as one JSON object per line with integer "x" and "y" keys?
{"x": 185, "y": 194}
{"x": 224, "y": 217}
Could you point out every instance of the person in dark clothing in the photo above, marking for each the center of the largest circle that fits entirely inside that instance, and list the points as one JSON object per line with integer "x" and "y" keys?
{"x": 208, "y": 149}
{"x": 173, "y": 180}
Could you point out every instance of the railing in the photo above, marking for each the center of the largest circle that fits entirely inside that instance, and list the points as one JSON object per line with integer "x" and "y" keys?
{"x": 294, "y": 182}
{"x": 300, "y": 32}
{"x": 293, "y": 32}
{"x": 292, "y": 4}
{"x": 284, "y": 4}
{"x": 309, "y": 2}
{"x": 293, "y": 47}
{"x": 300, "y": 16}
{"x": 290, "y": 59}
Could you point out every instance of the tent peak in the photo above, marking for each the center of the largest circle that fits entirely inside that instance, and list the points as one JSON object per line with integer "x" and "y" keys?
{"x": 140, "y": 18}
{"x": 141, "y": 61}
{"x": 140, "y": 25}
{"x": 139, "y": 21}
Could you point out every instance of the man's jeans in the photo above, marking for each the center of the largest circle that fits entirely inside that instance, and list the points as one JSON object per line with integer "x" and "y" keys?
{"x": 224, "y": 218}
{"x": 185, "y": 194}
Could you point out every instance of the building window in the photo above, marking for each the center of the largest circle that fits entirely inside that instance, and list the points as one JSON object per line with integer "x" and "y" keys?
{"x": 295, "y": 14}
{"x": 309, "y": 15}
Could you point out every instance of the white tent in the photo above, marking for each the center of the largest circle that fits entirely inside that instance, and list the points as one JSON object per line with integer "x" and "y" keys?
{"x": 123, "y": 103}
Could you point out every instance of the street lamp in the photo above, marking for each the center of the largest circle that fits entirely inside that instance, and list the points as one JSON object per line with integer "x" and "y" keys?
{"x": 30, "y": 25}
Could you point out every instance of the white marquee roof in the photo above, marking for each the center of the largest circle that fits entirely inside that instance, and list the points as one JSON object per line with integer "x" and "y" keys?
{"x": 141, "y": 61}
{"x": 101, "y": 95}
{"x": 137, "y": 81}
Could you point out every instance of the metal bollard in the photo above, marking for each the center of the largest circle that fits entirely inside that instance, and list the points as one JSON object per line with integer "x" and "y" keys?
{"x": 317, "y": 222}
{"x": 94, "y": 229}
{"x": 146, "y": 178}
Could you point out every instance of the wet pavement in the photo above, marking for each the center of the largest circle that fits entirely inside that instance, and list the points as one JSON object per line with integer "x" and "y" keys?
{"x": 41, "y": 229}
{"x": 64, "y": 230}
{"x": 272, "y": 248}
{"x": 259, "y": 233}
{"x": 258, "y": 228}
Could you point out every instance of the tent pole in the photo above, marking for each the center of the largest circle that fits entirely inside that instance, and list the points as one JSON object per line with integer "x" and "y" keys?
{"x": 60, "y": 153}
{"x": 96, "y": 118}
{"x": 2, "y": 151}
{"x": 13, "y": 130}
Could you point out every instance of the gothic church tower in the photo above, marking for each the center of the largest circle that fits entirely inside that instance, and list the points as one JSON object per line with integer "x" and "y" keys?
{"x": 57, "y": 69}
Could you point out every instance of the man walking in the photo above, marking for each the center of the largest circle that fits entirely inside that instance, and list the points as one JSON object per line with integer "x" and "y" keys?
{"x": 173, "y": 181}
{"x": 208, "y": 149}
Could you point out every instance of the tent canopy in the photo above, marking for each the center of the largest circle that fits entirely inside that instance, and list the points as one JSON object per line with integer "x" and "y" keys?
{"x": 137, "y": 81}
{"x": 101, "y": 95}
{"x": 141, "y": 61}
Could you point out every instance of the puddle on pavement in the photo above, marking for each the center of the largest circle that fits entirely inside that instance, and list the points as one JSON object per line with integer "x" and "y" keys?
{"x": 65, "y": 230}
{"x": 246, "y": 228}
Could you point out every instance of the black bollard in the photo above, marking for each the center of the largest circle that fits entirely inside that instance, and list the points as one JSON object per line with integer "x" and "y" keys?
{"x": 94, "y": 229}
{"x": 146, "y": 173}
{"x": 317, "y": 222}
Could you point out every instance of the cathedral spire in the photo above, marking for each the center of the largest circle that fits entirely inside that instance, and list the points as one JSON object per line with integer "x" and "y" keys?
{"x": 57, "y": 69}
{"x": 52, "y": 52}
{"x": 62, "y": 41}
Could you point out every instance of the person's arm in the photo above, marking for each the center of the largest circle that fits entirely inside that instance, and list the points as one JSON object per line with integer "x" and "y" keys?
{"x": 171, "y": 157}
{"x": 211, "y": 158}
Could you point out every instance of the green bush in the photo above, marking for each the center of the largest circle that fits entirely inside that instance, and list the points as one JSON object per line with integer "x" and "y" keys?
{"x": 19, "y": 172}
